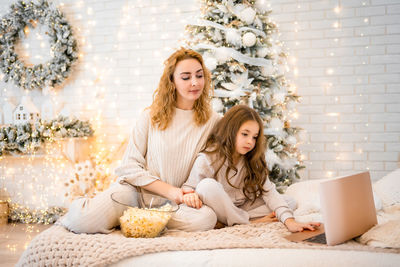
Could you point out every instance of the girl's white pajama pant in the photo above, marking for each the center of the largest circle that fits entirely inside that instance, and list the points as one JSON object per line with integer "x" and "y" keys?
{"x": 213, "y": 195}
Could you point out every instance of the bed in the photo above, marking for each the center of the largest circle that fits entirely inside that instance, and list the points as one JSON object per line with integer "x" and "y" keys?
{"x": 252, "y": 245}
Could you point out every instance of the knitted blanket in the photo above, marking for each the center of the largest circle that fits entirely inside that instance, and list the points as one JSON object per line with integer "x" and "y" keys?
{"x": 58, "y": 247}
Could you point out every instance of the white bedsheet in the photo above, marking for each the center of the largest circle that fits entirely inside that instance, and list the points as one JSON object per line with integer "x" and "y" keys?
{"x": 263, "y": 257}
{"x": 272, "y": 257}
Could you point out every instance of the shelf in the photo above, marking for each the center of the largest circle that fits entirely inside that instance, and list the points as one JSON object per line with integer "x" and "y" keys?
{"x": 30, "y": 156}
{"x": 73, "y": 149}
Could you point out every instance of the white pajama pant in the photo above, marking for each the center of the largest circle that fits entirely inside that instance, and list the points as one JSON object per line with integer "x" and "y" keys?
{"x": 213, "y": 195}
{"x": 101, "y": 214}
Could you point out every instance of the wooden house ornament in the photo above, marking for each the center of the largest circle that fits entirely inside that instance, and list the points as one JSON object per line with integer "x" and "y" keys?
{"x": 26, "y": 111}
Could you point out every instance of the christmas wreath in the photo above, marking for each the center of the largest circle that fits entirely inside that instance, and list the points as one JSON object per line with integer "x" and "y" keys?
{"x": 63, "y": 45}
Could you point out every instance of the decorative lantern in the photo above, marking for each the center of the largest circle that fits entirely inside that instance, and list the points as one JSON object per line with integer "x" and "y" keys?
{"x": 3, "y": 212}
{"x": 4, "y": 208}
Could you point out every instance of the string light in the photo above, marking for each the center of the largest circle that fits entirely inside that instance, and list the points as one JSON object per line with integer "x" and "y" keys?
{"x": 336, "y": 24}
{"x": 57, "y": 167}
{"x": 105, "y": 74}
{"x": 333, "y": 114}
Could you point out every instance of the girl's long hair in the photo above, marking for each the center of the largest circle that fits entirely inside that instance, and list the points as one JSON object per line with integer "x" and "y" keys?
{"x": 164, "y": 97}
{"x": 221, "y": 143}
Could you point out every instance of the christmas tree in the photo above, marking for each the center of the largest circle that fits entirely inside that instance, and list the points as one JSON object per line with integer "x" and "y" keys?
{"x": 240, "y": 46}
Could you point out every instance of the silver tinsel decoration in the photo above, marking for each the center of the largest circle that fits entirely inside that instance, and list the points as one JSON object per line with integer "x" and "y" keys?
{"x": 27, "y": 138}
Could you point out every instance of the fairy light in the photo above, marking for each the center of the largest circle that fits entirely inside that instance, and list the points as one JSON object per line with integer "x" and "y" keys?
{"x": 333, "y": 114}
{"x": 336, "y": 24}
{"x": 79, "y": 4}
{"x": 329, "y": 71}
{"x": 97, "y": 76}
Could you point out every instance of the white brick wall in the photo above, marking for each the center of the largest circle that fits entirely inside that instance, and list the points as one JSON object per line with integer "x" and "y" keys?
{"x": 348, "y": 76}
{"x": 360, "y": 105}
{"x": 123, "y": 46}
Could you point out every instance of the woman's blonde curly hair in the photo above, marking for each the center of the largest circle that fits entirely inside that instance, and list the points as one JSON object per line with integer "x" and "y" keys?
{"x": 164, "y": 97}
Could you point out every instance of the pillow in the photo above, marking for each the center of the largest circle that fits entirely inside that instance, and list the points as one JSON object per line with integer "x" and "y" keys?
{"x": 388, "y": 188}
{"x": 306, "y": 194}
{"x": 385, "y": 235}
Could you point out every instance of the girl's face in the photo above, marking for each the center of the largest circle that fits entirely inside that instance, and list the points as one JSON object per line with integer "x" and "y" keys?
{"x": 189, "y": 82}
{"x": 246, "y": 137}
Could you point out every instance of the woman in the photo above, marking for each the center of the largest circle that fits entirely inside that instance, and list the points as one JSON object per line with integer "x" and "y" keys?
{"x": 163, "y": 146}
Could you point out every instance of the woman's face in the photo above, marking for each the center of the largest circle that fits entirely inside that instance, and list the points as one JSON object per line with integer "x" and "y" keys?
{"x": 189, "y": 82}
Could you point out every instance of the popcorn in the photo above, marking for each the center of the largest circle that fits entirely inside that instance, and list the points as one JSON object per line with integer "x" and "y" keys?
{"x": 136, "y": 222}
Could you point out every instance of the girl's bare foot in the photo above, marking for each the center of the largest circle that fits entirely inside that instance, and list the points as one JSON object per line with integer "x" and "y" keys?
{"x": 268, "y": 218}
{"x": 219, "y": 225}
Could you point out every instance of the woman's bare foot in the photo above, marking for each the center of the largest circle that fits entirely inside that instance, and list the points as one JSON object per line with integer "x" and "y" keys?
{"x": 268, "y": 218}
{"x": 219, "y": 225}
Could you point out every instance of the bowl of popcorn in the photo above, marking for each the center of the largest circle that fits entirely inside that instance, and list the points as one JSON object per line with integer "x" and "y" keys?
{"x": 146, "y": 216}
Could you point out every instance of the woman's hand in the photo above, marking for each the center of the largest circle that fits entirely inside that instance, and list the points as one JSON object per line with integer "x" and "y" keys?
{"x": 175, "y": 194}
{"x": 294, "y": 226}
{"x": 166, "y": 190}
{"x": 192, "y": 200}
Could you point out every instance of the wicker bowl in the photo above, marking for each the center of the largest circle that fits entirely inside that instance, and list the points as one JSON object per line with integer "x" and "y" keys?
{"x": 146, "y": 217}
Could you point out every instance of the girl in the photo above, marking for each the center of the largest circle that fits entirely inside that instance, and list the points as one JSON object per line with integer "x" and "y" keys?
{"x": 162, "y": 149}
{"x": 230, "y": 175}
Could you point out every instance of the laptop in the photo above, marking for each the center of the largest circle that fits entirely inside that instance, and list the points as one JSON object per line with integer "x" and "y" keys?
{"x": 348, "y": 210}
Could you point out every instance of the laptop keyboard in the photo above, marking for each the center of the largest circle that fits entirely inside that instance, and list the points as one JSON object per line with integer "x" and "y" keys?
{"x": 320, "y": 239}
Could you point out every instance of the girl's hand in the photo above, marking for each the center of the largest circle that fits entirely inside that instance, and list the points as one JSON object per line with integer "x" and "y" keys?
{"x": 294, "y": 226}
{"x": 192, "y": 200}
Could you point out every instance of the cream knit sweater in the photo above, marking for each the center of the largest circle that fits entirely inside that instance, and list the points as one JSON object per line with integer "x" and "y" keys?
{"x": 167, "y": 155}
